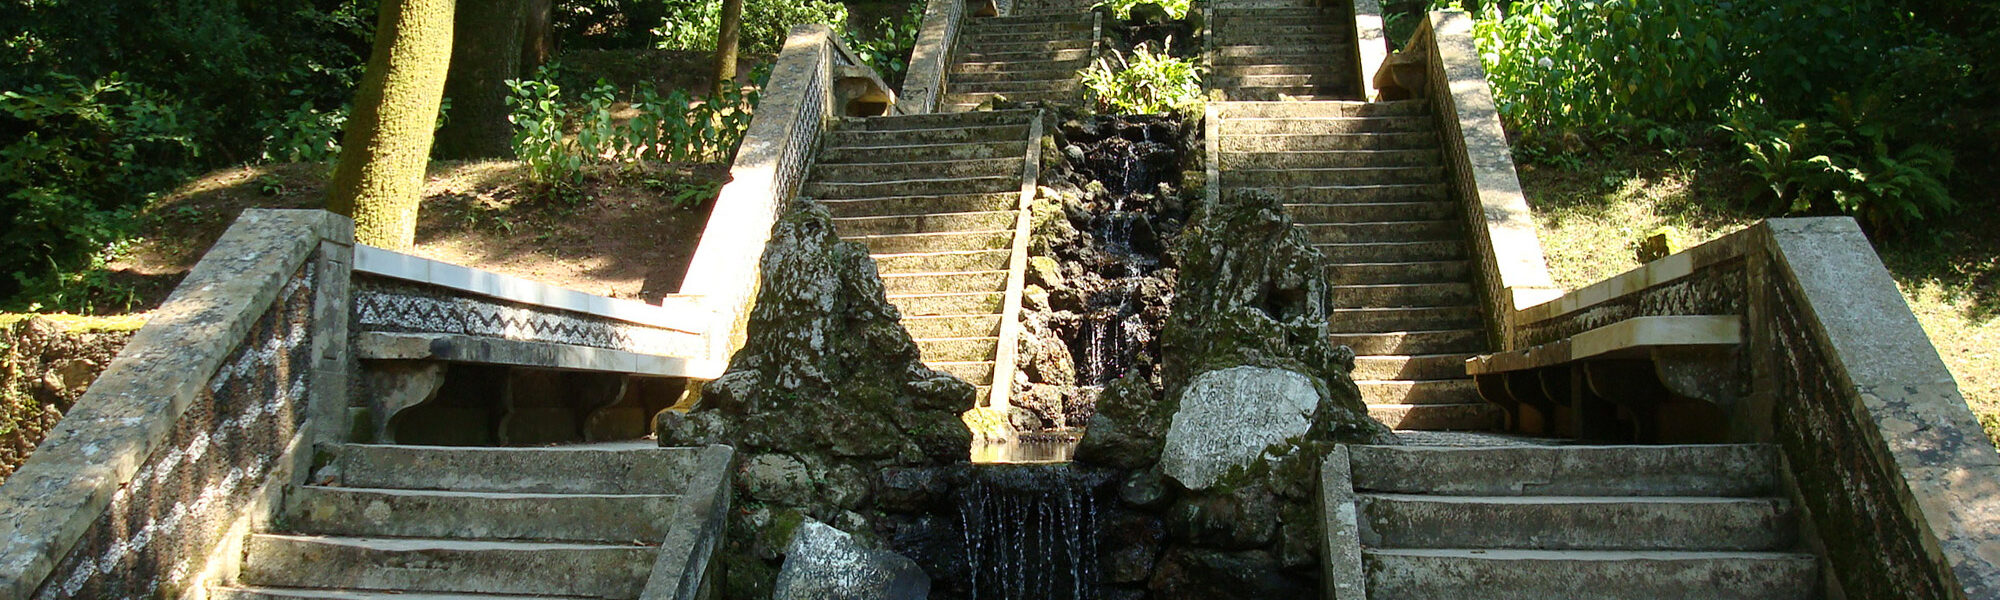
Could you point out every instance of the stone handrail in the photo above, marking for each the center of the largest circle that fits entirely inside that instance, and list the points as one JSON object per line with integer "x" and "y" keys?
{"x": 1890, "y": 467}
{"x": 778, "y": 149}
{"x": 146, "y": 486}
{"x": 930, "y": 60}
{"x": 686, "y": 568}
{"x": 1514, "y": 272}
{"x": 1371, "y": 41}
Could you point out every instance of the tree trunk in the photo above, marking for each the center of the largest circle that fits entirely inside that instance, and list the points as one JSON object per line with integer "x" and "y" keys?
{"x": 380, "y": 179}
{"x": 725, "y": 44}
{"x": 485, "y": 53}
{"x": 537, "y": 35}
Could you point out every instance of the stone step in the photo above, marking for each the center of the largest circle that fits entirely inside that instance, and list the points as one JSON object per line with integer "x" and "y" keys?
{"x": 1377, "y": 320}
{"x": 1325, "y": 125}
{"x": 583, "y": 469}
{"x": 1311, "y": 82}
{"x": 1309, "y": 110}
{"x": 942, "y": 262}
{"x": 1328, "y": 159}
{"x": 949, "y": 304}
{"x": 1387, "y": 231}
{"x": 1316, "y": 48}
{"x": 1018, "y": 19}
{"x": 980, "y": 55}
{"x": 952, "y": 326}
{"x": 1686, "y": 523}
{"x": 1542, "y": 574}
{"x": 991, "y": 118}
{"x": 1451, "y": 271}
{"x": 1438, "y": 417}
{"x": 959, "y": 349}
{"x": 847, "y": 139}
{"x": 947, "y": 169}
{"x": 975, "y": 373}
{"x": 1338, "y": 141}
{"x": 1402, "y": 294}
{"x": 1435, "y": 391}
{"x": 428, "y": 565}
{"x": 1392, "y": 252}
{"x": 915, "y": 205}
{"x": 1282, "y": 10}
{"x": 365, "y": 512}
{"x": 1733, "y": 470}
{"x": 1264, "y": 4}
{"x": 972, "y": 46}
{"x": 1251, "y": 30}
{"x": 1332, "y": 176}
{"x": 1424, "y": 366}
{"x": 959, "y": 79}
{"x": 924, "y": 152}
{"x": 1326, "y": 37}
{"x": 973, "y": 99}
{"x": 955, "y": 241}
{"x": 1356, "y": 194}
{"x": 942, "y": 222}
{"x": 833, "y": 190}
{"x": 927, "y": 283}
{"x": 1294, "y": 94}
{"x": 981, "y": 36}
{"x": 958, "y": 86}
{"x": 265, "y": 593}
{"x": 1320, "y": 68}
{"x": 1382, "y": 212}
{"x": 1401, "y": 343}
{"x": 1304, "y": 55}
{"x": 1072, "y": 65}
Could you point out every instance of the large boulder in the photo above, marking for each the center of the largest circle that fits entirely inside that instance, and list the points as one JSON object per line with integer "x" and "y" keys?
{"x": 823, "y": 563}
{"x": 826, "y": 367}
{"x": 1228, "y": 417}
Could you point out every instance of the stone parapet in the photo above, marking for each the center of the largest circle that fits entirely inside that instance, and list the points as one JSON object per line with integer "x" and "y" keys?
{"x": 930, "y": 61}
{"x": 136, "y": 493}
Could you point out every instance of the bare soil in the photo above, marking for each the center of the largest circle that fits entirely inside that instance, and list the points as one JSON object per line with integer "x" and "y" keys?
{"x": 624, "y": 235}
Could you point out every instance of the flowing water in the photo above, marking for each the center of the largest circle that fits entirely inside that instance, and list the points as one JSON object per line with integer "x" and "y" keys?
{"x": 1030, "y": 532}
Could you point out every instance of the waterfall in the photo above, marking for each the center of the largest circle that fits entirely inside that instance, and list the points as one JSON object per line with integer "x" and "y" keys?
{"x": 1030, "y": 532}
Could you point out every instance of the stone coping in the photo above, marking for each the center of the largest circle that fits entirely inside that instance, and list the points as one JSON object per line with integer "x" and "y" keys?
{"x": 687, "y": 567}
{"x": 1650, "y": 275}
{"x": 129, "y": 413}
{"x": 680, "y": 313}
{"x": 1342, "y": 576}
{"x": 494, "y": 351}
{"x": 930, "y": 60}
{"x": 1617, "y": 339}
{"x": 1371, "y": 42}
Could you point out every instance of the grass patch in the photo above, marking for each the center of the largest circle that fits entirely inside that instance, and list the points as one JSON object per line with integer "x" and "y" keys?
{"x": 1593, "y": 212}
{"x": 81, "y": 323}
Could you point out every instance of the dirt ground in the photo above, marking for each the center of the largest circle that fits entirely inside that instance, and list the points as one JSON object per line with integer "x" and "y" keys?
{"x": 629, "y": 234}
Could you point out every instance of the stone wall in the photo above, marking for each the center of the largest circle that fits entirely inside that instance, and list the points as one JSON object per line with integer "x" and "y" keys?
{"x": 1895, "y": 477}
{"x": 931, "y": 59}
{"x": 45, "y": 366}
{"x": 398, "y": 306}
{"x": 145, "y": 486}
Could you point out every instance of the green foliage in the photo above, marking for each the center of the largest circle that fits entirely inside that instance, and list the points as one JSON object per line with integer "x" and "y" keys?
{"x": 556, "y": 138}
{"x": 1176, "y": 9}
{"x": 1780, "y": 73}
{"x": 888, "y": 49}
{"x": 692, "y": 24}
{"x": 1147, "y": 83}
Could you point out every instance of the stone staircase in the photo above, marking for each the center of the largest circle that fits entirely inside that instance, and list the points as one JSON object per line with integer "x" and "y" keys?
{"x": 935, "y": 198}
{"x": 1035, "y": 57}
{"x": 1280, "y": 50}
{"x": 451, "y": 523}
{"x": 1366, "y": 183}
{"x": 1602, "y": 522}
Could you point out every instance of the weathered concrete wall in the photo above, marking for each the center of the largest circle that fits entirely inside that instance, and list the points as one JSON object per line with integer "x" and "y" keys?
{"x": 1891, "y": 468}
{"x": 169, "y": 451}
{"x": 1480, "y": 165}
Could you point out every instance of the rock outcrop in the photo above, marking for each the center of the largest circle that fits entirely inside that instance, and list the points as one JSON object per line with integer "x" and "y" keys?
{"x": 823, "y": 563}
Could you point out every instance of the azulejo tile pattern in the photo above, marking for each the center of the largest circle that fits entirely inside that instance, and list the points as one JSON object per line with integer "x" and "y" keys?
{"x": 160, "y": 528}
{"x": 387, "y": 305}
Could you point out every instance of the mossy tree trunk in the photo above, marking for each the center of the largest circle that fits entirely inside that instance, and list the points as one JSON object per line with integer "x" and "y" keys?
{"x": 537, "y": 37}
{"x": 726, "y": 44}
{"x": 485, "y": 53}
{"x": 387, "y": 145}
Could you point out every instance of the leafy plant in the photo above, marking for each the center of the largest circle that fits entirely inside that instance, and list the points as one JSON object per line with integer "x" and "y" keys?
{"x": 1848, "y": 167}
{"x": 692, "y": 24}
{"x": 1147, "y": 83}
{"x": 888, "y": 50}
{"x": 556, "y": 139}
{"x": 1176, "y": 9}
{"x": 539, "y": 142}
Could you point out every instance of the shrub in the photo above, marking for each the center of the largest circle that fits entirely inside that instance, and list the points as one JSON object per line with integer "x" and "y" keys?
{"x": 1176, "y": 9}
{"x": 888, "y": 49}
{"x": 1847, "y": 167}
{"x": 1147, "y": 83}
{"x": 675, "y": 127}
{"x": 692, "y": 24}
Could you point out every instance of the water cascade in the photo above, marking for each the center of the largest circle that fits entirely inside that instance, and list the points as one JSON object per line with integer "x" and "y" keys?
{"x": 1030, "y": 532}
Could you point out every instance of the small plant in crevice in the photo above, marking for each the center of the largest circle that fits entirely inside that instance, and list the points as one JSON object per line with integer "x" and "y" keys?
{"x": 1146, "y": 83}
